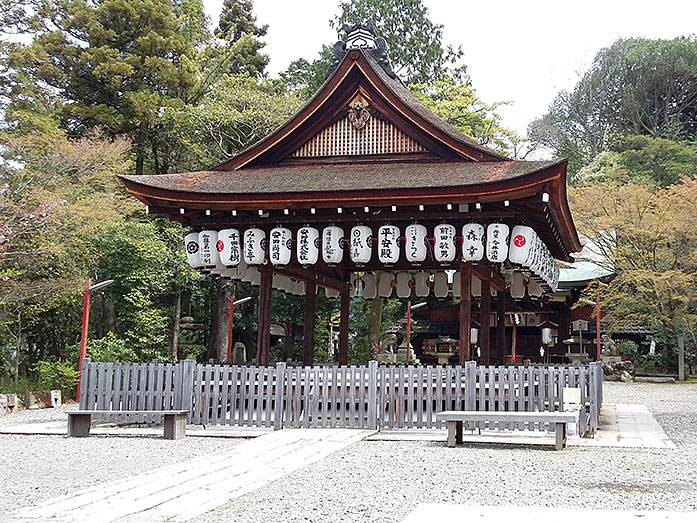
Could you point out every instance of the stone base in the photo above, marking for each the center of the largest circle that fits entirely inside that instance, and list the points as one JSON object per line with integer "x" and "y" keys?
{"x": 42, "y": 399}
{"x": 8, "y": 404}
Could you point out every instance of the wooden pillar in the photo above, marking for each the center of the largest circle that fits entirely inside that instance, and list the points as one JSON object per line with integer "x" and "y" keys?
{"x": 344, "y": 327}
{"x": 264, "y": 318}
{"x": 485, "y": 324}
{"x": 500, "y": 326}
{"x": 562, "y": 332}
{"x": 309, "y": 323}
{"x": 465, "y": 313}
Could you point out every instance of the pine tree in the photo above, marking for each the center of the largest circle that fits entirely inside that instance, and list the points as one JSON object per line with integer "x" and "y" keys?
{"x": 238, "y": 26}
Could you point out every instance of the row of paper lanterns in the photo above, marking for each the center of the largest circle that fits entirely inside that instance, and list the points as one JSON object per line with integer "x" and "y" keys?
{"x": 209, "y": 248}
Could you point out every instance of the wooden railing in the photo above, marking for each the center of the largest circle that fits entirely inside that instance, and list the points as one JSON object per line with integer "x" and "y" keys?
{"x": 364, "y": 396}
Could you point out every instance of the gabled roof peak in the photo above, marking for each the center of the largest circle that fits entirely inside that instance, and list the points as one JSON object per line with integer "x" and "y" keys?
{"x": 361, "y": 35}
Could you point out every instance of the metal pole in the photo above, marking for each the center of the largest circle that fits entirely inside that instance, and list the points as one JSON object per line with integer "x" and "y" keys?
{"x": 83, "y": 336}
{"x": 229, "y": 330}
{"x": 408, "y": 328}
{"x": 597, "y": 326}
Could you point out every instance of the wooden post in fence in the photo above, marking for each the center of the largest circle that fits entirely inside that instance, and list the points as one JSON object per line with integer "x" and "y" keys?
{"x": 279, "y": 394}
{"x": 372, "y": 394}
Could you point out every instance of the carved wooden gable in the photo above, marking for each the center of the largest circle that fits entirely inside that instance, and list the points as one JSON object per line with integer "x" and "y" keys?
{"x": 359, "y": 131}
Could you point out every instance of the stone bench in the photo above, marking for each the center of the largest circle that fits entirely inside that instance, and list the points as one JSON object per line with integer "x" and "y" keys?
{"x": 79, "y": 421}
{"x": 455, "y": 418}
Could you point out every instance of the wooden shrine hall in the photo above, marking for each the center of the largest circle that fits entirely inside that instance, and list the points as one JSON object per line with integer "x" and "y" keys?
{"x": 367, "y": 193}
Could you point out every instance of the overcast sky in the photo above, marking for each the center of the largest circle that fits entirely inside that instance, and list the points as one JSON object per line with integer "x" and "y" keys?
{"x": 523, "y": 51}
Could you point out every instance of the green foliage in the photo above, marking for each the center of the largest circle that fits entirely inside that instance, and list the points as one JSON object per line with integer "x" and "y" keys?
{"x": 304, "y": 78}
{"x": 111, "y": 348}
{"x": 57, "y": 375}
{"x": 238, "y": 27}
{"x": 416, "y": 48}
{"x": 457, "y": 104}
{"x": 238, "y": 112}
{"x": 636, "y": 87}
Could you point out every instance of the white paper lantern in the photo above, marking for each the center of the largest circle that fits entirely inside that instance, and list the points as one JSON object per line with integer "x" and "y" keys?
{"x": 444, "y": 249}
{"x": 370, "y": 288}
{"x": 476, "y": 287}
{"x": 361, "y": 244}
{"x": 415, "y": 242}
{"x": 422, "y": 284}
{"x": 474, "y": 335}
{"x": 254, "y": 246}
{"x": 546, "y": 336}
{"x": 331, "y": 293}
{"x": 208, "y": 248}
{"x": 385, "y": 284}
{"x": 497, "y": 242}
{"x": 403, "y": 284}
{"x": 280, "y": 246}
{"x": 534, "y": 288}
{"x": 517, "y": 285}
{"x": 388, "y": 244}
{"x": 332, "y": 244}
{"x": 307, "y": 246}
{"x": 440, "y": 285}
{"x": 191, "y": 246}
{"x": 473, "y": 242}
{"x": 521, "y": 243}
{"x": 230, "y": 247}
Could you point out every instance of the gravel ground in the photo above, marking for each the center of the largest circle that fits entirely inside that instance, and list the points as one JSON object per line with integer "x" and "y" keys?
{"x": 383, "y": 481}
{"x": 35, "y": 468}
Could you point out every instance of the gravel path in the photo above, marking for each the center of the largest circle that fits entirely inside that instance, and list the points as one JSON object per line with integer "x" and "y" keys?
{"x": 383, "y": 481}
{"x": 35, "y": 468}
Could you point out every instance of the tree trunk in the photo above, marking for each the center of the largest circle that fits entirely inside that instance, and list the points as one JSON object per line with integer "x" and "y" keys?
{"x": 375, "y": 320}
{"x": 219, "y": 328}
{"x": 176, "y": 320}
{"x": 140, "y": 147}
{"x": 18, "y": 344}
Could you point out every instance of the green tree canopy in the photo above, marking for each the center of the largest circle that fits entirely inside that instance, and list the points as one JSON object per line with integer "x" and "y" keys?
{"x": 238, "y": 27}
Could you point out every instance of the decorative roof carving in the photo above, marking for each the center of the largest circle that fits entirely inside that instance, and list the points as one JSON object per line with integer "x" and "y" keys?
{"x": 361, "y": 35}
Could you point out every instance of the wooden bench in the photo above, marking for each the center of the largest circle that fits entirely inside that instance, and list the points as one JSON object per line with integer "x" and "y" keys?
{"x": 455, "y": 418}
{"x": 79, "y": 421}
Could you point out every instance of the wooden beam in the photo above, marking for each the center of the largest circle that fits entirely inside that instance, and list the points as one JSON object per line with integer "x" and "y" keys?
{"x": 465, "y": 313}
{"x": 264, "y": 317}
{"x": 500, "y": 327}
{"x": 309, "y": 324}
{"x": 485, "y": 323}
{"x": 307, "y": 275}
{"x": 488, "y": 273}
{"x": 344, "y": 327}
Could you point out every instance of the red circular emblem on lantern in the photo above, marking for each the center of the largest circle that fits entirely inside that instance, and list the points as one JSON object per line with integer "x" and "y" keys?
{"x": 519, "y": 240}
{"x": 220, "y": 245}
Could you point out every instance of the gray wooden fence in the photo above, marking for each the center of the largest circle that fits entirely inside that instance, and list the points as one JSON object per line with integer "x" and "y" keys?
{"x": 364, "y": 396}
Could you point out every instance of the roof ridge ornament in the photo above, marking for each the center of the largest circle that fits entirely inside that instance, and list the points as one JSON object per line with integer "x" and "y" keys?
{"x": 361, "y": 35}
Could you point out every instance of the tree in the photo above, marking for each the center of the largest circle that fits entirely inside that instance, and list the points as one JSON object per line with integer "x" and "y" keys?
{"x": 641, "y": 159}
{"x": 458, "y": 105}
{"x": 648, "y": 238}
{"x": 635, "y": 86}
{"x": 114, "y": 65}
{"x": 237, "y": 26}
{"x": 416, "y": 48}
{"x": 417, "y": 52}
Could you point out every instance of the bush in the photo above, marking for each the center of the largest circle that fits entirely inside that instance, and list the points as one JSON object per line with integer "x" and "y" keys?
{"x": 111, "y": 348}
{"x": 57, "y": 375}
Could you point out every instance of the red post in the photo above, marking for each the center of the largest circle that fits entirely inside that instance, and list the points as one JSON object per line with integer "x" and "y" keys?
{"x": 597, "y": 326}
{"x": 83, "y": 336}
{"x": 408, "y": 328}
{"x": 515, "y": 342}
{"x": 229, "y": 330}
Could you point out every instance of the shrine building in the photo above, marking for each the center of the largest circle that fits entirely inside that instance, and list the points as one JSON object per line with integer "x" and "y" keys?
{"x": 367, "y": 193}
